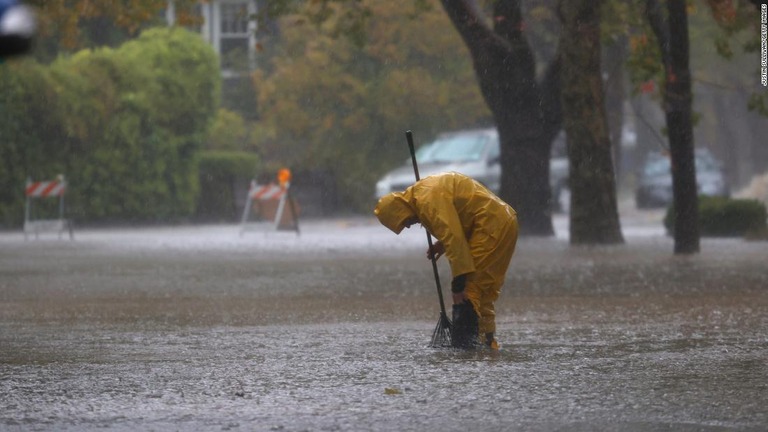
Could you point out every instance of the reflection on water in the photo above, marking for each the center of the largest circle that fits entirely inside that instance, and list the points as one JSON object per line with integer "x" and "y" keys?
{"x": 618, "y": 338}
{"x": 376, "y": 376}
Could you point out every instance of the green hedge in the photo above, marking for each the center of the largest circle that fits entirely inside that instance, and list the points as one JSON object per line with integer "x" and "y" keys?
{"x": 124, "y": 125}
{"x": 26, "y": 95}
{"x": 221, "y": 172}
{"x": 726, "y": 217}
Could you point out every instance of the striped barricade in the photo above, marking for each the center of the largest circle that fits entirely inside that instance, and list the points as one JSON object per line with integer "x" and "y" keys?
{"x": 266, "y": 192}
{"x": 45, "y": 189}
{"x": 269, "y": 202}
{"x": 40, "y": 190}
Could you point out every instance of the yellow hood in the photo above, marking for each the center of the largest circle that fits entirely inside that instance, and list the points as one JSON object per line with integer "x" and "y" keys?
{"x": 393, "y": 210}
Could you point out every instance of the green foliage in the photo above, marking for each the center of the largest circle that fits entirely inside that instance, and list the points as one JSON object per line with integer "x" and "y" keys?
{"x": 725, "y": 217}
{"x": 758, "y": 102}
{"x": 230, "y": 131}
{"x": 329, "y": 104}
{"x": 220, "y": 173}
{"x": 149, "y": 104}
{"x": 721, "y": 29}
{"x": 28, "y": 130}
{"x": 66, "y": 26}
{"x": 339, "y": 18}
{"x": 124, "y": 125}
{"x": 233, "y": 164}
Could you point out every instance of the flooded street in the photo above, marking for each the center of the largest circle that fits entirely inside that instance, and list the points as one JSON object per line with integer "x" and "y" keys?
{"x": 199, "y": 328}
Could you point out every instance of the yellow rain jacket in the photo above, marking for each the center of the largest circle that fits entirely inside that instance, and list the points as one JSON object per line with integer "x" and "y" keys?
{"x": 478, "y": 230}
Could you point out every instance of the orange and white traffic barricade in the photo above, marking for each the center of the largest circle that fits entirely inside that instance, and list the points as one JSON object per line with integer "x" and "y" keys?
{"x": 34, "y": 220}
{"x": 268, "y": 204}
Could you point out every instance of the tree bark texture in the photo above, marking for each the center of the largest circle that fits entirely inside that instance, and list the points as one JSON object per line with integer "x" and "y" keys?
{"x": 527, "y": 113}
{"x": 594, "y": 217}
{"x": 614, "y": 58}
{"x": 672, "y": 36}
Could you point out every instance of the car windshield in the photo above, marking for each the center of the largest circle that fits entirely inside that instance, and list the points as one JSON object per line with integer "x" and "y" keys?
{"x": 422, "y": 153}
{"x": 456, "y": 148}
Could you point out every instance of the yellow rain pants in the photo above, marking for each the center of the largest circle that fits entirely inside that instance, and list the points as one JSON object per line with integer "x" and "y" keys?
{"x": 478, "y": 230}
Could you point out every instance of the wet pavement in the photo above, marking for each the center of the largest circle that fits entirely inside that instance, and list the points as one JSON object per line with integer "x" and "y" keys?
{"x": 199, "y": 328}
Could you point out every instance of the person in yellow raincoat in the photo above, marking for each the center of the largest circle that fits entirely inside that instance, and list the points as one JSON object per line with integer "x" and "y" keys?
{"x": 476, "y": 231}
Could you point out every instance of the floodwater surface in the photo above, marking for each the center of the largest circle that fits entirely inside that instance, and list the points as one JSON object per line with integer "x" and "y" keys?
{"x": 198, "y": 328}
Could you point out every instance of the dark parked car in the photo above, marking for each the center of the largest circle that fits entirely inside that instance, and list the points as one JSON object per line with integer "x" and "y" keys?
{"x": 654, "y": 183}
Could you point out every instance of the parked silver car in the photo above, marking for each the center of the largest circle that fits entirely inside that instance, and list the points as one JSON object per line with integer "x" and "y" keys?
{"x": 654, "y": 182}
{"x": 472, "y": 152}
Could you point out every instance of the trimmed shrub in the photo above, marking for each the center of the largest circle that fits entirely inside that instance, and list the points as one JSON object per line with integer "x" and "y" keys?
{"x": 27, "y": 125}
{"x": 726, "y": 217}
{"x": 124, "y": 125}
{"x": 224, "y": 178}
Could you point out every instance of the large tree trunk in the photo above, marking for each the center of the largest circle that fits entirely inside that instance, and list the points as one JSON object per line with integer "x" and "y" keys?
{"x": 615, "y": 56}
{"x": 679, "y": 123}
{"x": 594, "y": 215}
{"x": 525, "y": 117}
{"x": 672, "y": 35}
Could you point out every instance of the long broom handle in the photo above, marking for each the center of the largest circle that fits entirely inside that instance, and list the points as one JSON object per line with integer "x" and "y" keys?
{"x": 409, "y": 137}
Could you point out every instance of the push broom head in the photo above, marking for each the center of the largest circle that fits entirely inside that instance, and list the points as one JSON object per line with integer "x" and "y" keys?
{"x": 441, "y": 337}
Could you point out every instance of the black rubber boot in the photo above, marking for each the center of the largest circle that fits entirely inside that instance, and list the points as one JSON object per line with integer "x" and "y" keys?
{"x": 489, "y": 339}
{"x": 465, "y": 326}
